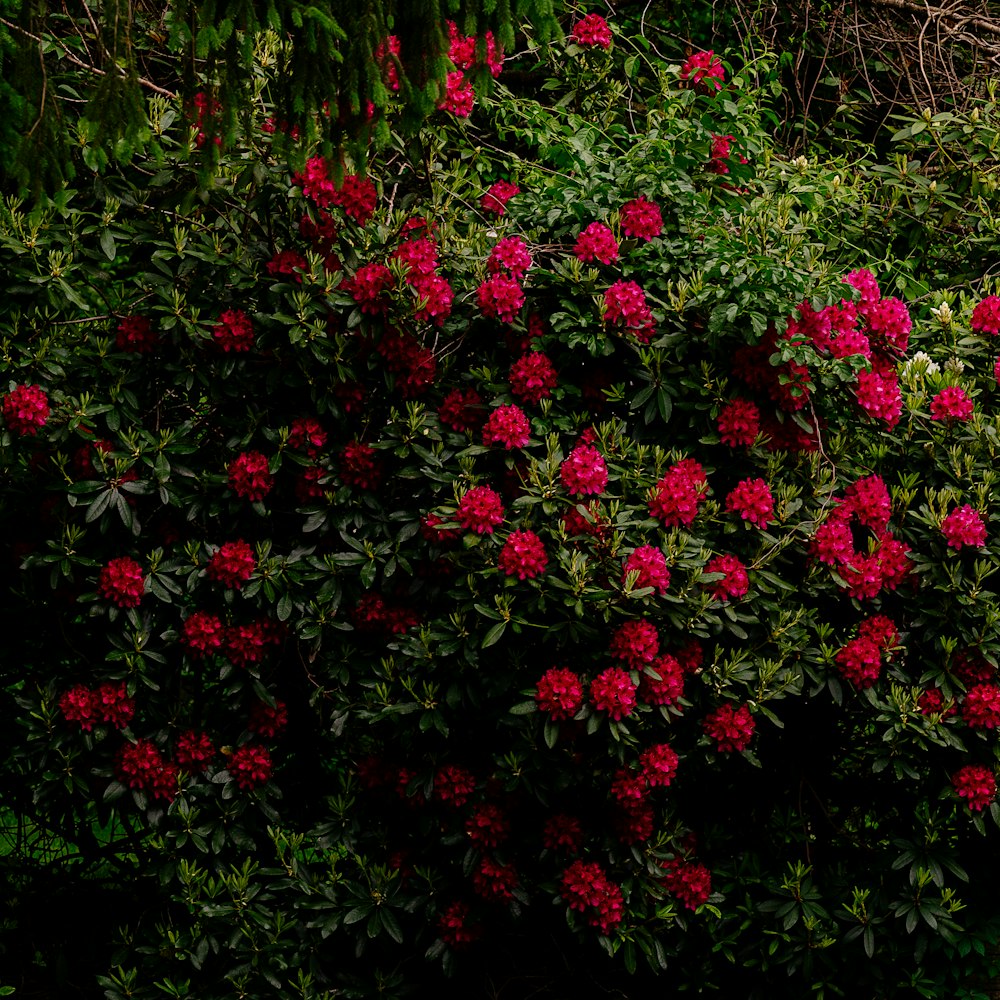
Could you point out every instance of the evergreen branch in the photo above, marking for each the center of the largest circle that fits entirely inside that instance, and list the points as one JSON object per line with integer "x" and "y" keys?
{"x": 97, "y": 71}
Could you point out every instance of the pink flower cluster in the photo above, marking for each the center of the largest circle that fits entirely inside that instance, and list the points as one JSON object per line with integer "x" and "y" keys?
{"x": 249, "y": 475}
{"x": 108, "y": 703}
{"x": 356, "y": 196}
{"x": 135, "y": 335}
{"x": 731, "y": 726}
{"x": 739, "y": 423}
{"x": 649, "y": 565}
{"x": 523, "y": 555}
{"x": 689, "y": 881}
{"x": 250, "y": 766}
{"x": 752, "y": 500}
{"x": 625, "y": 306}
{"x": 860, "y": 660}
{"x": 596, "y": 242}
{"x": 704, "y": 71}
{"x": 977, "y": 784}
{"x": 232, "y": 564}
{"x": 234, "y": 331}
{"x": 26, "y": 409}
{"x": 532, "y": 377}
{"x": 592, "y": 31}
{"x": 636, "y": 642}
{"x": 951, "y": 404}
{"x": 662, "y": 681}
{"x": 480, "y": 510}
{"x": 500, "y": 297}
{"x": 560, "y": 693}
{"x": 964, "y": 526}
{"x": 641, "y": 219}
{"x": 986, "y": 316}
{"x": 587, "y": 889}
{"x": 510, "y": 254}
{"x": 583, "y": 471}
{"x": 141, "y": 766}
{"x": 677, "y": 496}
{"x": 496, "y": 198}
{"x": 734, "y": 583}
{"x": 122, "y": 582}
{"x": 507, "y": 425}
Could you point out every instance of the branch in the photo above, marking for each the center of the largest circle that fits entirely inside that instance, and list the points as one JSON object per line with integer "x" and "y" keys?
{"x": 148, "y": 84}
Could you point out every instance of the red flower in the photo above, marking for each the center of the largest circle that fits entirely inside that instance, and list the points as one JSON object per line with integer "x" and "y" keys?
{"x": 78, "y": 705}
{"x": 833, "y": 542}
{"x": 462, "y": 410}
{"x": 612, "y": 691}
{"x": 559, "y": 692}
{"x": 583, "y": 472}
{"x": 507, "y": 425}
{"x": 881, "y": 630}
{"x": 357, "y": 197}
{"x": 523, "y": 555}
{"x": 689, "y": 881}
{"x": 596, "y": 242}
{"x": 641, "y": 219}
{"x": 494, "y": 881}
{"x": 625, "y": 305}
{"x": 704, "y": 71}
{"x": 890, "y": 323}
{"x": 480, "y": 510}
{"x": 868, "y": 500}
{"x": 650, "y": 566}
{"x": 454, "y": 784}
{"x": 368, "y": 288}
{"x": 633, "y": 823}
{"x": 232, "y": 564}
{"x": 752, "y": 500}
{"x": 287, "y": 262}
{"x": 250, "y": 766}
{"x": 931, "y": 702}
{"x": 360, "y": 466}
{"x": 193, "y": 751}
{"x": 636, "y": 642}
{"x": 734, "y": 583}
{"x": 562, "y": 834}
{"x": 951, "y": 403}
{"x": 464, "y": 50}
{"x": 879, "y": 396}
{"x": 510, "y": 254}
{"x": 976, "y": 784}
{"x": 202, "y": 633}
{"x": 307, "y": 434}
{"x": 676, "y": 497}
{"x": 585, "y": 886}
{"x": 500, "y": 297}
{"x": 668, "y": 684}
{"x": 234, "y": 331}
{"x": 659, "y": 765}
{"x": 864, "y": 281}
{"x": 121, "y": 582}
{"x": 247, "y": 643}
{"x": 267, "y": 720}
{"x": 532, "y": 377}
{"x": 591, "y": 32}
{"x": 135, "y": 335}
{"x": 140, "y": 765}
{"x": 981, "y": 709}
{"x": 459, "y": 96}
{"x": 435, "y": 297}
{"x": 487, "y": 826}
{"x": 26, "y": 409}
{"x": 986, "y": 315}
{"x": 453, "y": 926}
{"x": 629, "y": 787}
{"x": 739, "y": 423}
{"x": 964, "y": 526}
{"x": 731, "y": 727}
{"x": 249, "y": 475}
{"x": 496, "y": 198}
{"x": 860, "y": 661}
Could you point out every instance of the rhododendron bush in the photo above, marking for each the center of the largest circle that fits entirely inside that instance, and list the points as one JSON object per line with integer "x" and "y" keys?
{"x": 499, "y": 552}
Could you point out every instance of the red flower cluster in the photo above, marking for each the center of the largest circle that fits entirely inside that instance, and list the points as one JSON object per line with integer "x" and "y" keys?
{"x": 739, "y": 423}
{"x": 734, "y": 583}
{"x": 585, "y": 887}
{"x": 507, "y": 425}
{"x": 981, "y": 708}
{"x": 462, "y": 410}
{"x": 689, "y": 881}
{"x": 121, "y": 582}
{"x": 287, "y": 263}
{"x": 890, "y": 324}
{"x": 559, "y": 692}
{"x": 202, "y": 633}
{"x": 368, "y": 288}
{"x": 26, "y": 409}
{"x": 374, "y": 614}
{"x": 464, "y": 50}
{"x": 704, "y": 71}
{"x": 523, "y": 555}
{"x": 249, "y": 475}
{"x": 360, "y": 466}
{"x": 650, "y": 566}
{"x": 864, "y": 281}
{"x": 951, "y": 403}
{"x": 641, "y": 219}
{"x": 878, "y": 394}
{"x": 232, "y": 564}
{"x": 510, "y": 254}
{"x": 860, "y": 661}
{"x": 454, "y": 785}
{"x": 267, "y": 720}
{"x": 500, "y": 297}
{"x": 583, "y": 472}
{"x": 413, "y": 365}
{"x": 109, "y": 703}
{"x": 658, "y": 765}
{"x": 459, "y": 97}
{"x": 636, "y": 642}
{"x": 592, "y": 31}
{"x": 140, "y": 765}
{"x": 596, "y": 242}
{"x": 494, "y": 881}
{"x": 563, "y": 834}
{"x": 193, "y": 751}
{"x": 986, "y": 316}
{"x": 964, "y": 526}
{"x": 249, "y": 766}
{"x": 234, "y": 331}
{"x": 247, "y": 643}
{"x": 977, "y": 784}
{"x": 135, "y": 335}
{"x": 307, "y": 434}
{"x": 532, "y": 377}
{"x": 488, "y": 826}
{"x": 731, "y": 727}
{"x": 752, "y": 500}
{"x": 454, "y": 928}
{"x": 625, "y": 306}
{"x": 676, "y": 497}
{"x": 612, "y": 691}
{"x": 496, "y": 198}
{"x": 480, "y": 510}
{"x": 662, "y": 681}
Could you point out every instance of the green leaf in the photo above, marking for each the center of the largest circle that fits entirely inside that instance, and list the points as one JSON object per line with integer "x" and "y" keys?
{"x": 494, "y": 634}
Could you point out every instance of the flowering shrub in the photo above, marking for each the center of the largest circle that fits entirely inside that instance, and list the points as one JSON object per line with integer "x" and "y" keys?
{"x": 483, "y": 575}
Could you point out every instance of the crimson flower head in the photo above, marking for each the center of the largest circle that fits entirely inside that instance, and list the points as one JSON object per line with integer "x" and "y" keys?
{"x": 860, "y": 661}
{"x": 559, "y": 692}
{"x": 662, "y": 681}
{"x": 964, "y": 526}
{"x": 563, "y": 834}
{"x": 487, "y": 826}
{"x": 636, "y": 642}
{"x": 532, "y": 377}
{"x": 135, "y": 335}
{"x": 500, "y": 297}
{"x": 658, "y": 764}
{"x": 249, "y": 476}
{"x": 141, "y": 766}
{"x": 612, "y": 691}
{"x": 583, "y": 472}
{"x": 731, "y": 726}
{"x": 462, "y": 410}
{"x": 650, "y": 566}
{"x": 480, "y": 510}
{"x": 202, "y": 633}
{"x": 494, "y": 881}
{"x": 307, "y": 434}
{"x": 250, "y": 766}
{"x": 625, "y": 306}
{"x": 368, "y": 288}
{"x": 360, "y": 466}
{"x": 596, "y": 242}
{"x": 986, "y": 316}
{"x": 689, "y": 881}
{"x": 592, "y": 32}
{"x": 121, "y": 582}
{"x": 981, "y": 709}
{"x": 507, "y": 425}
{"x": 734, "y": 583}
{"x": 454, "y": 784}
{"x": 459, "y": 96}
{"x": 234, "y": 331}
{"x": 357, "y": 197}
{"x": 496, "y": 198}
{"x": 523, "y": 555}
{"x": 977, "y": 784}
{"x": 641, "y": 219}
{"x": 26, "y": 409}
{"x": 511, "y": 254}
{"x": 739, "y": 423}
{"x": 704, "y": 71}
{"x": 752, "y": 500}
{"x": 193, "y": 751}
{"x": 951, "y": 403}
{"x": 879, "y": 396}
{"x": 267, "y": 720}
{"x": 232, "y": 564}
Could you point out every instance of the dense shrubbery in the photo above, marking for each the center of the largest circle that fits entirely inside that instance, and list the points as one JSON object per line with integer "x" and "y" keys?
{"x": 553, "y": 539}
